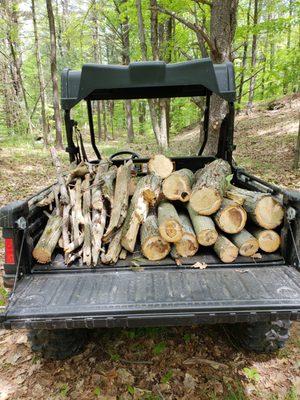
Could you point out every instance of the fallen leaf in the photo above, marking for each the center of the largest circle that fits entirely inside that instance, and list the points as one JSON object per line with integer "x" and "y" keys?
{"x": 189, "y": 382}
{"x": 257, "y": 255}
{"x": 199, "y": 265}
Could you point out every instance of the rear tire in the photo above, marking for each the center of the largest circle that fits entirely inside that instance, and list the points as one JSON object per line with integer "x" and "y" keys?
{"x": 261, "y": 337}
{"x": 57, "y": 344}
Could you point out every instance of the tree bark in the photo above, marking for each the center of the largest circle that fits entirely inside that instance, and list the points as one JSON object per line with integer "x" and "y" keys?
{"x": 169, "y": 222}
{"x": 225, "y": 249}
{"x": 47, "y": 242}
{"x": 297, "y": 150}
{"x": 53, "y": 63}
{"x": 188, "y": 244}
{"x": 253, "y": 57}
{"x": 247, "y": 243}
{"x": 204, "y": 228}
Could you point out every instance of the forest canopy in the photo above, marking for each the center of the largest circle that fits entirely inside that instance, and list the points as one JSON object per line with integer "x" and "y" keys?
{"x": 41, "y": 37}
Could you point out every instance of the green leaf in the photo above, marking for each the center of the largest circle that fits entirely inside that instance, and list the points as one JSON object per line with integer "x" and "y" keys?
{"x": 166, "y": 378}
{"x": 159, "y": 348}
{"x": 252, "y": 374}
{"x": 130, "y": 389}
{"x": 97, "y": 391}
{"x": 64, "y": 389}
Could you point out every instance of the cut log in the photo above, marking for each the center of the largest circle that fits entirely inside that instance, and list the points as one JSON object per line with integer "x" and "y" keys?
{"x": 86, "y": 208}
{"x": 160, "y": 165}
{"x": 209, "y": 187}
{"x": 145, "y": 195}
{"x": 64, "y": 194}
{"x": 225, "y": 249}
{"x": 47, "y": 242}
{"x": 204, "y": 227}
{"x": 98, "y": 226}
{"x": 268, "y": 240}
{"x": 108, "y": 184}
{"x": 247, "y": 243}
{"x": 231, "y": 217}
{"x": 262, "y": 208}
{"x": 65, "y": 225}
{"x": 120, "y": 202}
{"x": 154, "y": 247}
{"x": 188, "y": 244}
{"x": 169, "y": 223}
{"x": 97, "y": 201}
{"x": 79, "y": 171}
{"x": 178, "y": 186}
{"x": 114, "y": 249}
{"x": 123, "y": 254}
{"x": 77, "y": 242}
{"x": 47, "y": 200}
{"x": 133, "y": 184}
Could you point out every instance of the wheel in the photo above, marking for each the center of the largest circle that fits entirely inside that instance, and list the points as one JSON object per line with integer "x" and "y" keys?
{"x": 57, "y": 344}
{"x": 261, "y": 337}
{"x": 132, "y": 154}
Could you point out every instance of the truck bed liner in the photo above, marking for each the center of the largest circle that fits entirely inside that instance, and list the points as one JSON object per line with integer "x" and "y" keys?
{"x": 154, "y": 296}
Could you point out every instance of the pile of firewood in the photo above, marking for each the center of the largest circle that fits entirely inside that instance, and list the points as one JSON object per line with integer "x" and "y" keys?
{"x": 100, "y": 211}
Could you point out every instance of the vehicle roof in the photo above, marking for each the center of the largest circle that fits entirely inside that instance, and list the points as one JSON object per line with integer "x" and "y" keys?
{"x": 147, "y": 79}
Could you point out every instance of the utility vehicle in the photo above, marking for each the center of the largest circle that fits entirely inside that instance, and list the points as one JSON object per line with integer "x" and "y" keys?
{"x": 255, "y": 298}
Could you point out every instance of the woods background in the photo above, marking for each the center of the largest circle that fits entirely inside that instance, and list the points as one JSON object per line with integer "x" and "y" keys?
{"x": 41, "y": 37}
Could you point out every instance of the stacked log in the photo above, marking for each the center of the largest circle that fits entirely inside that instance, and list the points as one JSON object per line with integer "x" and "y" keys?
{"x": 102, "y": 213}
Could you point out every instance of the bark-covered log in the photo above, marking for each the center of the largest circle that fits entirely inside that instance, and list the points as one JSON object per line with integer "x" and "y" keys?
{"x": 47, "y": 242}
{"x": 225, "y": 249}
{"x": 209, "y": 187}
{"x": 231, "y": 217}
{"x": 262, "y": 208}
{"x": 145, "y": 195}
{"x": 188, "y": 244}
{"x": 120, "y": 202}
{"x": 204, "y": 227}
{"x": 64, "y": 194}
{"x": 160, "y": 165}
{"x": 108, "y": 184}
{"x": 47, "y": 200}
{"x": 169, "y": 222}
{"x": 154, "y": 247}
{"x": 268, "y": 240}
{"x": 66, "y": 225}
{"x": 98, "y": 226}
{"x": 114, "y": 249}
{"x": 78, "y": 172}
{"x": 97, "y": 201}
{"x": 86, "y": 208}
{"x": 178, "y": 186}
{"x": 247, "y": 243}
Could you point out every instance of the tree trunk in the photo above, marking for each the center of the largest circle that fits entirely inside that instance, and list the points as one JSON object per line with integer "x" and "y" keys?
{"x": 187, "y": 246}
{"x": 204, "y": 228}
{"x": 253, "y": 57}
{"x": 297, "y": 151}
{"x": 209, "y": 187}
{"x": 154, "y": 247}
{"x": 245, "y": 54}
{"x": 178, "y": 186}
{"x": 41, "y": 78}
{"x": 57, "y": 117}
{"x": 169, "y": 222}
{"x": 142, "y": 116}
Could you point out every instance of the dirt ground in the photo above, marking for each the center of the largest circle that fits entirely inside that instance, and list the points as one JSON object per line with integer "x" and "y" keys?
{"x": 163, "y": 363}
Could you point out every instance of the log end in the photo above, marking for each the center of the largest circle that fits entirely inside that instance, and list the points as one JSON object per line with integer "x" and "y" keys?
{"x": 171, "y": 230}
{"x": 160, "y": 165}
{"x": 269, "y": 212}
{"x": 176, "y": 188}
{"x": 229, "y": 254}
{"x": 205, "y": 201}
{"x": 249, "y": 248}
{"x": 42, "y": 255}
{"x": 232, "y": 219}
{"x": 207, "y": 237}
{"x": 187, "y": 246}
{"x": 155, "y": 248}
{"x": 269, "y": 241}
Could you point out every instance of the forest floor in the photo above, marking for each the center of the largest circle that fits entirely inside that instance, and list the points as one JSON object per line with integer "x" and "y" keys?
{"x": 168, "y": 367}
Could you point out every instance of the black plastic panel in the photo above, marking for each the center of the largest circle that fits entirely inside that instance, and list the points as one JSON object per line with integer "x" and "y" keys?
{"x": 166, "y": 291}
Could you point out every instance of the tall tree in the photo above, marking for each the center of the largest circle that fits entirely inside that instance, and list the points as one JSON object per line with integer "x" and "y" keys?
{"x": 219, "y": 41}
{"x": 41, "y": 78}
{"x": 253, "y": 56}
{"x": 53, "y": 63}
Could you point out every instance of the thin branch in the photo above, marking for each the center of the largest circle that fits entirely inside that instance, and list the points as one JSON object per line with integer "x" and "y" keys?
{"x": 194, "y": 27}
{"x": 206, "y": 2}
{"x": 250, "y": 77}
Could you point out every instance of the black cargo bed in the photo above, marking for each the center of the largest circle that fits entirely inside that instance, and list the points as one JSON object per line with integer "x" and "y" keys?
{"x": 164, "y": 296}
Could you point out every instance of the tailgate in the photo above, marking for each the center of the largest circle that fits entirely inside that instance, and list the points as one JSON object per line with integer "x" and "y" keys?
{"x": 162, "y": 296}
